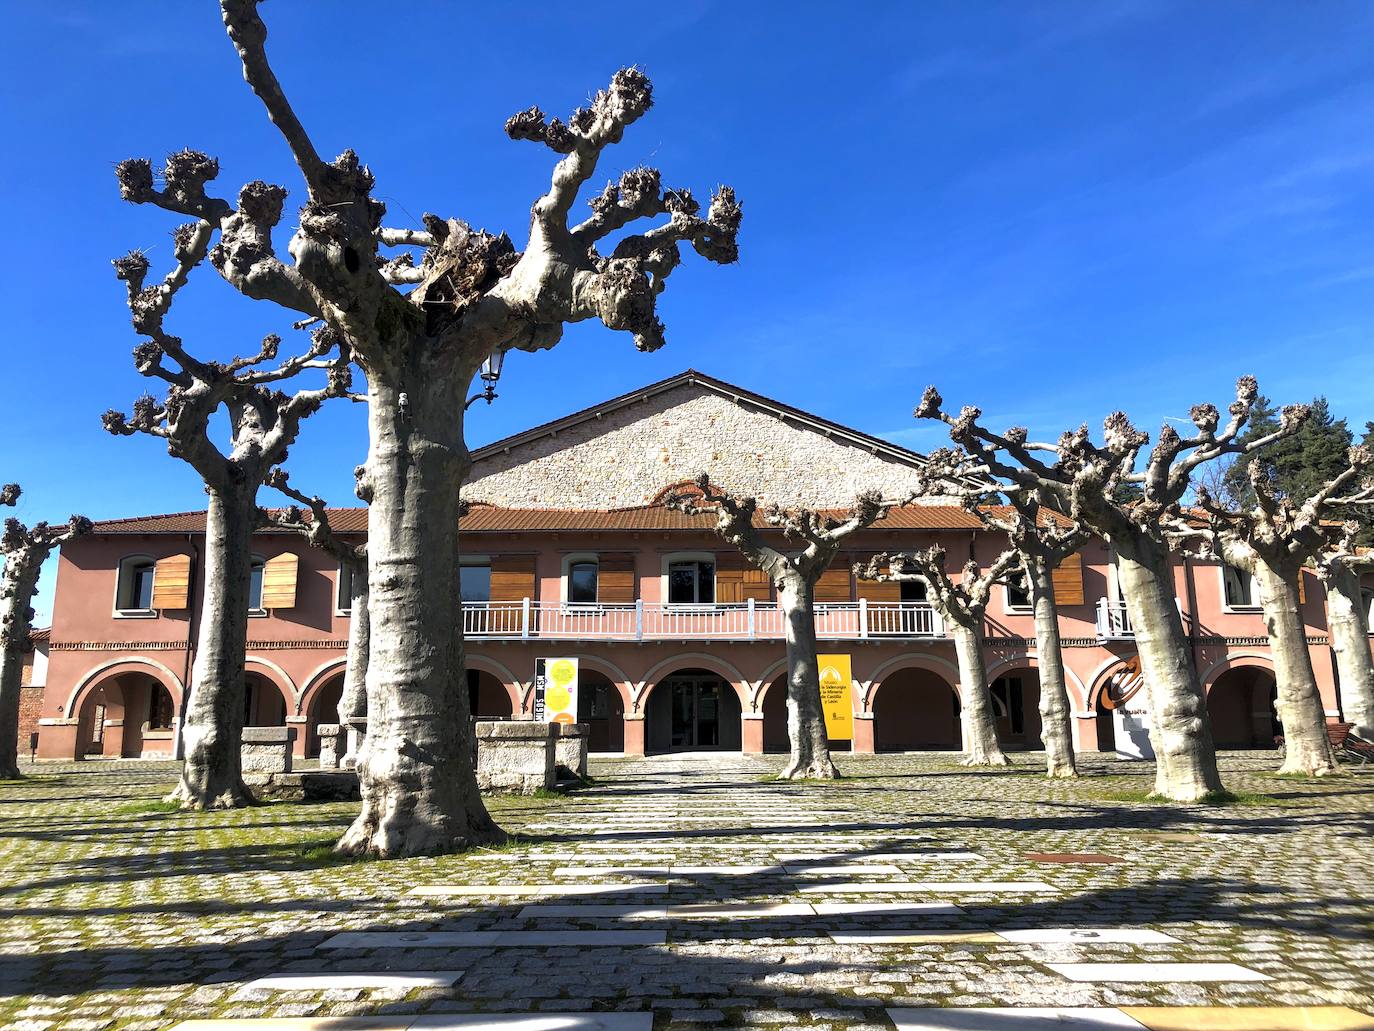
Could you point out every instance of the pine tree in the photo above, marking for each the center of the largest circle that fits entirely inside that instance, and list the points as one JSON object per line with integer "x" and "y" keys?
{"x": 1296, "y": 465}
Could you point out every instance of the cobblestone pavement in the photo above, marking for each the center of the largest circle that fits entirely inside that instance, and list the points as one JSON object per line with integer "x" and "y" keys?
{"x": 113, "y": 913}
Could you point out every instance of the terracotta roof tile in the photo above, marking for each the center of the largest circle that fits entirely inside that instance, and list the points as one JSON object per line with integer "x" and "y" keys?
{"x": 490, "y": 519}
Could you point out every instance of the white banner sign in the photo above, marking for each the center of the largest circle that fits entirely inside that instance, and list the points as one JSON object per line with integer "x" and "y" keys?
{"x": 555, "y": 690}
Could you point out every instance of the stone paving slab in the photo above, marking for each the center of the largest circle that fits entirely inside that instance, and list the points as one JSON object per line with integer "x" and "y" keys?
{"x": 1250, "y": 1018}
{"x": 1155, "y": 972}
{"x": 879, "y": 887}
{"x": 486, "y": 890}
{"x": 1025, "y": 1018}
{"x": 488, "y": 939}
{"x": 361, "y": 979}
{"x": 484, "y": 1022}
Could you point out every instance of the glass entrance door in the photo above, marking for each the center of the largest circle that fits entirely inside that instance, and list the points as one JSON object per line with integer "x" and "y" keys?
{"x": 696, "y": 712}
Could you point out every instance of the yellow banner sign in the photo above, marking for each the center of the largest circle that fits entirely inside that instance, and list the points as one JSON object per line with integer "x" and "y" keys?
{"x": 836, "y": 699}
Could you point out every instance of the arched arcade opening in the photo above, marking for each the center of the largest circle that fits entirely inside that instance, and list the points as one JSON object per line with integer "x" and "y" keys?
{"x": 128, "y": 716}
{"x": 600, "y": 706}
{"x": 488, "y": 698}
{"x": 692, "y": 710}
{"x": 1240, "y": 705}
{"x": 916, "y": 710}
{"x": 1016, "y": 705}
{"x": 775, "y": 735}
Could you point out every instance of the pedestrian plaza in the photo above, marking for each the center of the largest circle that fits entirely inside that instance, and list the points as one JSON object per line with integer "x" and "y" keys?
{"x": 691, "y": 890}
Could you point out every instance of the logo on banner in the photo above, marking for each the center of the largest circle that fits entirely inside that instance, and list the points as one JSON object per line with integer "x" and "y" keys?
{"x": 836, "y": 699}
{"x": 1125, "y": 683}
{"x": 555, "y": 690}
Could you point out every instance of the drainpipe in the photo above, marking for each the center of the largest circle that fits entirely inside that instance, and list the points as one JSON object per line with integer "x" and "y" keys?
{"x": 194, "y": 596}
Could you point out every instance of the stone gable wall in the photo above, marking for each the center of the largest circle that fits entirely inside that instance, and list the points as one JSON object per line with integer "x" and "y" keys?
{"x": 627, "y": 457}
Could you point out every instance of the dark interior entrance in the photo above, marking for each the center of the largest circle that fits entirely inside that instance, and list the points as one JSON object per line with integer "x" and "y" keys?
{"x": 693, "y": 710}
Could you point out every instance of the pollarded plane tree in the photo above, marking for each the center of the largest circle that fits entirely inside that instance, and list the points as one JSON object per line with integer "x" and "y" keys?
{"x": 1340, "y": 569}
{"x": 352, "y": 559}
{"x": 262, "y": 423}
{"x": 963, "y": 606}
{"x": 420, "y": 329}
{"x": 24, "y": 550}
{"x": 794, "y": 574}
{"x": 1273, "y": 540}
{"x": 1099, "y": 487}
{"x": 1042, "y": 539}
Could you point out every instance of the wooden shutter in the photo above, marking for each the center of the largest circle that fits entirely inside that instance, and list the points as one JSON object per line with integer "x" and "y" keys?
{"x": 833, "y": 586}
{"x": 737, "y": 580}
{"x": 1068, "y": 580}
{"x": 615, "y": 579}
{"x": 512, "y": 578}
{"x": 279, "y": 582}
{"x": 1302, "y": 586}
{"x": 172, "y": 582}
{"x": 880, "y": 591}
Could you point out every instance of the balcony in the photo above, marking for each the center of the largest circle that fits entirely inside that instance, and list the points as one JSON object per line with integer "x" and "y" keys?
{"x": 1113, "y": 622}
{"x": 651, "y": 621}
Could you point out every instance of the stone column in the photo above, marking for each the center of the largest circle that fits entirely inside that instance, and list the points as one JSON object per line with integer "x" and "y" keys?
{"x": 634, "y": 733}
{"x": 751, "y": 733}
{"x": 863, "y": 733}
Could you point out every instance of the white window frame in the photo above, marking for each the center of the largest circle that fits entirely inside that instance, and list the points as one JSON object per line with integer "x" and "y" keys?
{"x": 127, "y": 561}
{"x": 259, "y": 612}
{"x": 675, "y": 557}
{"x": 565, "y": 581}
{"x": 343, "y": 600}
{"x": 1226, "y": 606}
{"x": 1009, "y": 607}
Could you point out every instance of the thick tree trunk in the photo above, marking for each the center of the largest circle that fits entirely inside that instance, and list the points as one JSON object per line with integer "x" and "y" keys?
{"x": 1307, "y": 749}
{"x": 1350, "y": 641}
{"x": 1056, "y": 719}
{"x": 1185, "y": 760}
{"x": 415, "y": 767}
{"x": 980, "y": 724}
{"x": 211, "y": 776}
{"x": 353, "y": 700}
{"x": 805, "y": 714}
{"x": 16, "y": 594}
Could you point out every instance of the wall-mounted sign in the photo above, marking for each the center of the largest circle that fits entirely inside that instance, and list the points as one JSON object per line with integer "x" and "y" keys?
{"x": 555, "y": 690}
{"x": 836, "y": 699}
{"x": 1121, "y": 696}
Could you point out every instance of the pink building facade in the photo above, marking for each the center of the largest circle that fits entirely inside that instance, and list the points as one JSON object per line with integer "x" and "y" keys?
{"x": 678, "y": 645}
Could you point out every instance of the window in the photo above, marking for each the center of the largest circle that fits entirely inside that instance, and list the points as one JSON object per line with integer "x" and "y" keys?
{"x": 255, "y": 587}
{"x": 343, "y": 603}
{"x": 1367, "y": 596}
{"x": 1018, "y": 594}
{"x": 582, "y": 583}
{"x": 474, "y": 583}
{"x": 692, "y": 583}
{"x": 159, "y": 708}
{"x": 1238, "y": 587}
{"x": 134, "y": 595}
{"x": 915, "y": 590}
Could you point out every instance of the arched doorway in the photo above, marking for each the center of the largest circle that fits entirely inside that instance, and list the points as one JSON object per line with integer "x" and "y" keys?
{"x": 1016, "y": 705}
{"x": 916, "y": 710}
{"x": 775, "y": 735}
{"x": 693, "y": 710}
{"x": 264, "y": 705}
{"x": 128, "y": 716}
{"x": 600, "y": 706}
{"x": 1240, "y": 705}
{"x": 488, "y": 698}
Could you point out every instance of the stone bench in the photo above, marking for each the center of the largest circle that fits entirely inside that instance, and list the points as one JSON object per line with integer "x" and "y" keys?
{"x": 570, "y": 749}
{"x": 266, "y": 749}
{"x": 333, "y": 742}
{"x": 516, "y": 755}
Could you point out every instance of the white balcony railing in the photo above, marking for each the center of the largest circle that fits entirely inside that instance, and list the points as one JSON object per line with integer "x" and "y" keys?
{"x": 1113, "y": 622}
{"x": 751, "y": 621}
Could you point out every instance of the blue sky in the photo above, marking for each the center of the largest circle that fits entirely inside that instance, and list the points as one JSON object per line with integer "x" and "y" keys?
{"x": 1052, "y": 210}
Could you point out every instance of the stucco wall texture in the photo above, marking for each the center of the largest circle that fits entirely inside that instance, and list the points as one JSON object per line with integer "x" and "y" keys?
{"x": 629, "y": 455}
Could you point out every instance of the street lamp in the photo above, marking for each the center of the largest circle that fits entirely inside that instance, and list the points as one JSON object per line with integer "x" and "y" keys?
{"x": 491, "y": 372}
